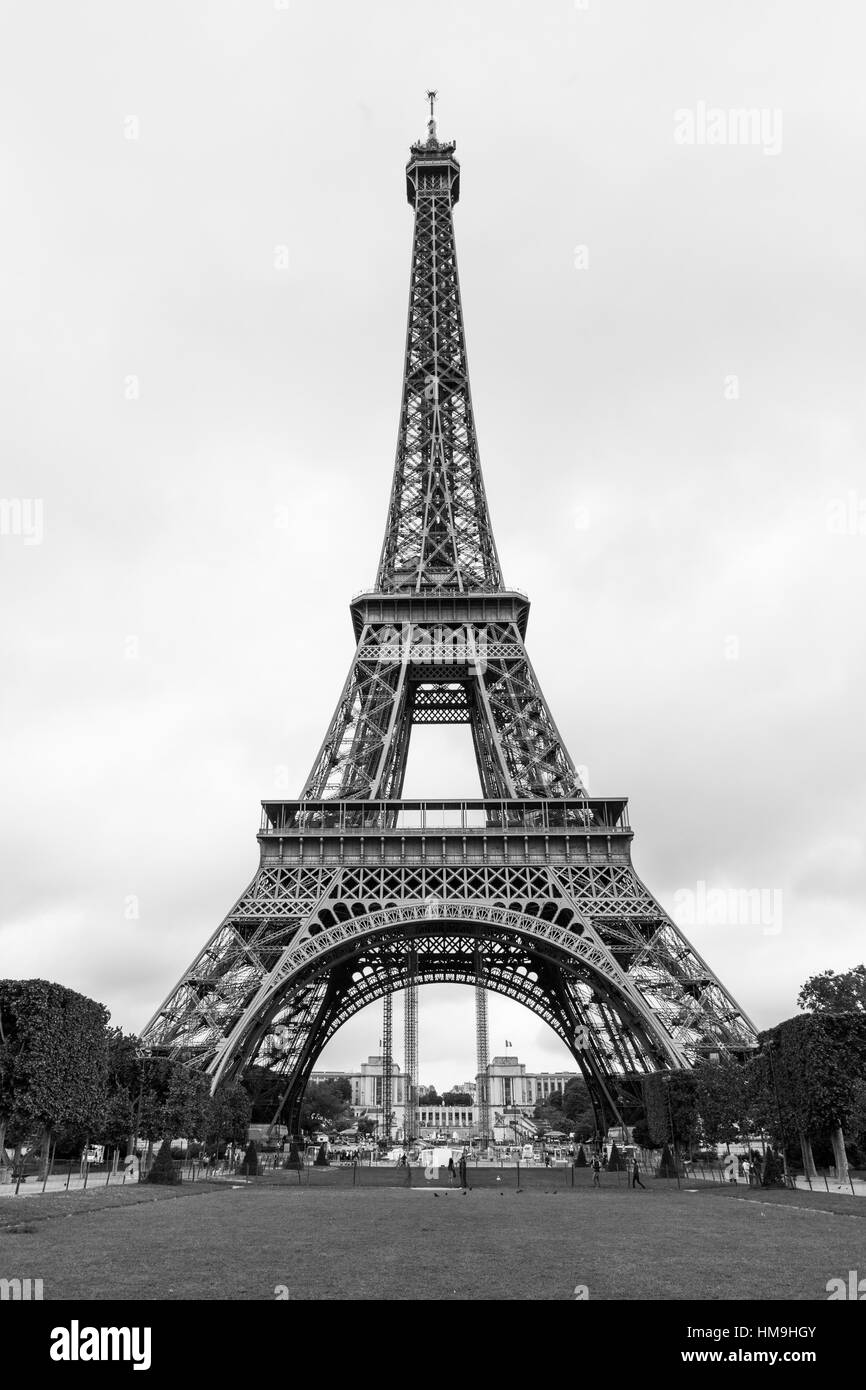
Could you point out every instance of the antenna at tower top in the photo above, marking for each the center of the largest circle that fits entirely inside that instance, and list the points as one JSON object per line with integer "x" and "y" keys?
{"x": 431, "y": 97}
{"x": 431, "y": 124}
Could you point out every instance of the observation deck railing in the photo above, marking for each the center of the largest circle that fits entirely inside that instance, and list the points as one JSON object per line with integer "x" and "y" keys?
{"x": 459, "y": 817}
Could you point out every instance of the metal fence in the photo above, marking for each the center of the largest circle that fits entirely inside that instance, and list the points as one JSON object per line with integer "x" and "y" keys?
{"x": 71, "y": 1175}
{"x": 500, "y": 1176}
{"x": 824, "y": 1180}
{"x": 273, "y": 1169}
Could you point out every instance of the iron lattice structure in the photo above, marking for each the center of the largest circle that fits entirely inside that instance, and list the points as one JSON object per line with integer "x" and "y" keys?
{"x": 387, "y": 1097}
{"x": 482, "y": 1055}
{"x": 528, "y": 891}
{"x": 410, "y": 1050}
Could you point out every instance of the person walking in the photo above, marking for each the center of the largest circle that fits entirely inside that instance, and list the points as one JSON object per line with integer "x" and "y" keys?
{"x": 451, "y": 1169}
{"x": 462, "y": 1167}
{"x": 596, "y": 1171}
{"x": 635, "y": 1176}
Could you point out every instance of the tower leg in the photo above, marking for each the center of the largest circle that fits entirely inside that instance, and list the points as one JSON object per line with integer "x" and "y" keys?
{"x": 482, "y": 1080}
{"x": 387, "y": 1066}
{"x": 410, "y": 1083}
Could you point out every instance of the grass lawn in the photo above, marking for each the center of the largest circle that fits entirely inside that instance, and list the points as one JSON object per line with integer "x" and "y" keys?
{"x": 224, "y": 1242}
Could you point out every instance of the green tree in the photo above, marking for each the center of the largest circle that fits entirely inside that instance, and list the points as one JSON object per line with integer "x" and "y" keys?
{"x": 365, "y": 1126}
{"x": 149, "y": 1095}
{"x": 832, "y": 993}
{"x": 721, "y": 1097}
{"x": 228, "y": 1115}
{"x": 807, "y": 1075}
{"x": 53, "y": 1061}
{"x": 428, "y": 1095}
{"x": 583, "y": 1124}
{"x": 549, "y": 1117}
{"x": 187, "y": 1104}
{"x": 124, "y": 1059}
{"x": 324, "y": 1107}
{"x": 456, "y": 1098}
{"x": 857, "y": 1115}
{"x": 124, "y": 1071}
{"x": 118, "y": 1117}
{"x": 671, "y": 1096}
{"x": 575, "y": 1101}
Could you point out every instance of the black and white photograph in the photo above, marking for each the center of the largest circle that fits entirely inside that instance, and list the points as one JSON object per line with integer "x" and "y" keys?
{"x": 433, "y": 822}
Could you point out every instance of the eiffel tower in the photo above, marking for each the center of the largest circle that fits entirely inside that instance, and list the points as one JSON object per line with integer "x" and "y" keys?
{"x": 528, "y": 890}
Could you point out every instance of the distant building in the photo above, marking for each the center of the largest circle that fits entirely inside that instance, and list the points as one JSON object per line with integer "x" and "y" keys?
{"x": 454, "y": 1123}
{"x": 465, "y": 1088}
{"x": 508, "y": 1084}
{"x": 512, "y": 1091}
{"x": 366, "y": 1086}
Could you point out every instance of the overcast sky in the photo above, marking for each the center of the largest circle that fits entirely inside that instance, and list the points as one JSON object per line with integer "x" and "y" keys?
{"x": 205, "y": 254}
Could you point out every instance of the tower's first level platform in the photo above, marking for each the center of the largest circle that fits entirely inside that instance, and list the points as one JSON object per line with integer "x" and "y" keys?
{"x": 451, "y": 831}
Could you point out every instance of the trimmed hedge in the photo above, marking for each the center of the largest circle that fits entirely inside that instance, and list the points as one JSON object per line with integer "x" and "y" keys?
{"x": 163, "y": 1169}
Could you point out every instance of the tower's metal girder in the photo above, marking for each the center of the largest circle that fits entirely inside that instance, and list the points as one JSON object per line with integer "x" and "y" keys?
{"x": 438, "y": 533}
{"x": 410, "y": 1049}
{"x": 482, "y": 1053}
{"x": 387, "y": 1067}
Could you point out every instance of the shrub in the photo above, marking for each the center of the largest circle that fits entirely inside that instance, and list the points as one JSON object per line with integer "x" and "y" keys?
{"x": 666, "y": 1168}
{"x": 580, "y": 1161}
{"x": 163, "y": 1169}
{"x": 293, "y": 1159}
{"x": 615, "y": 1161}
{"x": 772, "y": 1173}
{"x": 322, "y": 1157}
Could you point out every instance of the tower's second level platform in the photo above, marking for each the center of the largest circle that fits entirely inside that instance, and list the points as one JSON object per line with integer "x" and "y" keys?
{"x": 439, "y": 607}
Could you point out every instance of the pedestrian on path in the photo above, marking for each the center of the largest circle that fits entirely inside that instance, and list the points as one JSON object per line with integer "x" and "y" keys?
{"x": 462, "y": 1167}
{"x": 596, "y": 1171}
{"x": 635, "y": 1176}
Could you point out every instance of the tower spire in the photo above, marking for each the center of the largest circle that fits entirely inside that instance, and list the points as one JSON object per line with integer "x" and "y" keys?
{"x": 431, "y": 124}
{"x": 438, "y": 534}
